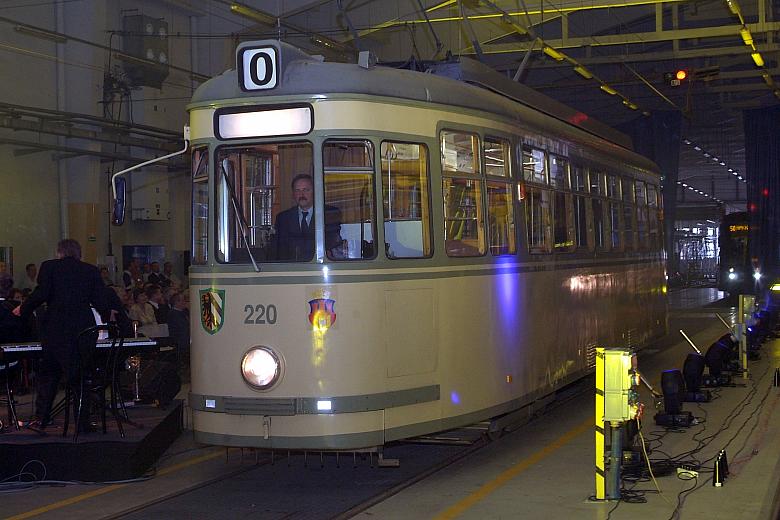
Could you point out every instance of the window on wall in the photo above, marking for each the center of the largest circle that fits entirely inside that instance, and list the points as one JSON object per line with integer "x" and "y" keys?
{"x": 537, "y": 216}
{"x": 534, "y": 165}
{"x": 348, "y": 167}
{"x": 200, "y": 205}
{"x": 461, "y": 188}
{"x": 405, "y": 200}
{"x": 579, "y": 186}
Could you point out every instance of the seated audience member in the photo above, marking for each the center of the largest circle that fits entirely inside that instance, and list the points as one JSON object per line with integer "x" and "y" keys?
{"x": 154, "y": 274}
{"x": 141, "y": 311}
{"x": 168, "y": 274}
{"x": 157, "y": 301}
{"x": 179, "y": 324}
{"x": 29, "y": 279}
{"x": 12, "y": 328}
{"x": 106, "y": 276}
{"x": 117, "y": 311}
{"x": 16, "y": 295}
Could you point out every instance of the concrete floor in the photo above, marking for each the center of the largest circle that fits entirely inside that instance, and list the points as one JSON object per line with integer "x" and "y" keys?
{"x": 544, "y": 469}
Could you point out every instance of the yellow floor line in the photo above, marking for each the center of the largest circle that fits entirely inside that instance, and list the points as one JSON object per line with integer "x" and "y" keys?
{"x": 107, "y": 489}
{"x": 460, "y": 507}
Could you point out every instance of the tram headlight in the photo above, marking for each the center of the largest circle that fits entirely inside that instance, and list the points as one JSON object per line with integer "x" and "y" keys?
{"x": 261, "y": 368}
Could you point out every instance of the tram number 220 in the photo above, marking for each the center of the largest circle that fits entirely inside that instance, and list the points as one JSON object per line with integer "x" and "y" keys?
{"x": 260, "y": 314}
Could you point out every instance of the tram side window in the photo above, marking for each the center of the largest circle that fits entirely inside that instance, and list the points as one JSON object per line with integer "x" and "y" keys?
{"x": 461, "y": 187}
{"x": 559, "y": 172}
{"x": 641, "y": 215}
{"x": 534, "y": 165}
{"x": 405, "y": 200}
{"x": 579, "y": 186}
{"x": 652, "y": 203}
{"x": 200, "y": 205}
{"x": 348, "y": 167}
{"x": 262, "y": 192}
{"x": 496, "y": 157}
{"x": 537, "y": 219}
{"x": 629, "y": 214}
{"x": 563, "y": 236}
{"x": 501, "y": 221}
{"x": 613, "y": 192}
{"x": 597, "y": 191}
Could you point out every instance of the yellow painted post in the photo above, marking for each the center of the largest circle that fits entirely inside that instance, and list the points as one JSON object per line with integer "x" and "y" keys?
{"x": 744, "y": 314}
{"x": 599, "y": 425}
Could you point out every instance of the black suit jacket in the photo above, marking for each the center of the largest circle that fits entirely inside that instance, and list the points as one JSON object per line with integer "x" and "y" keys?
{"x": 68, "y": 287}
{"x": 292, "y": 244}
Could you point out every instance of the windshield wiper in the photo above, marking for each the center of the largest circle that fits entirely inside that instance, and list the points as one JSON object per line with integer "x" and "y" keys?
{"x": 227, "y": 171}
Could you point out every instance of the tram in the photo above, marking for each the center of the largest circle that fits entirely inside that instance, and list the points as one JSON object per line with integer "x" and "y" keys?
{"x": 735, "y": 269}
{"x": 472, "y": 243}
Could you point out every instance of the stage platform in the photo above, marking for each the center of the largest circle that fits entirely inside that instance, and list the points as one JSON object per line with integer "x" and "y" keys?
{"x": 95, "y": 456}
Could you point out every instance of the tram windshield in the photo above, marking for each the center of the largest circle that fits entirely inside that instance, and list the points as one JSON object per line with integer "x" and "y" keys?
{"x": 265, "y": 203}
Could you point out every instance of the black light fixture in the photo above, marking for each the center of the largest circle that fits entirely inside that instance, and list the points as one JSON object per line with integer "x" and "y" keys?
{"x": 716, "y": 358}
{"x": 693, "y": 372}
{"x": 673, "y": 388}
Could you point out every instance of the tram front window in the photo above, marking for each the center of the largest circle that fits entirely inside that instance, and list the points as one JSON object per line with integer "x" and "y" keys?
{"x": 263, "y": 195}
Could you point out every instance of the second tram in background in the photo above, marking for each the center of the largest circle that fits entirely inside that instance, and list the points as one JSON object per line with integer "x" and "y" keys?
{"x": 473, "y": 242}
{"x": 735, "y": 268}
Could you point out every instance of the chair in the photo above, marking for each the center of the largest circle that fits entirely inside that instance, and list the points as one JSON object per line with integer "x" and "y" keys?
{"x": 8, "y": 397}
{"x": 96, "y": 373}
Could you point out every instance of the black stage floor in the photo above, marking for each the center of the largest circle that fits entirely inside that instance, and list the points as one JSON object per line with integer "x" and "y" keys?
{"x": 95, "y": 456}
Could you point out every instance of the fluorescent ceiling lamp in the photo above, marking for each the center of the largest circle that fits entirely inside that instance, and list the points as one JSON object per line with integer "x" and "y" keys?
{"x": 609, "y": 90}
{"x": 558, "y": 56}
{"x": 757, "y": 59}
{"x": 582, "y": 71}
{"x": 40, "y": 33}
{"x": 746, "y": 36}
{"x": 253, "y": 14}
{"x": 264, "y": 123}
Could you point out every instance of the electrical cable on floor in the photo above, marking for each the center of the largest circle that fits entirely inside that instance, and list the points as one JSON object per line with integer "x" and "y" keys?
{"x": 647, "y": 460}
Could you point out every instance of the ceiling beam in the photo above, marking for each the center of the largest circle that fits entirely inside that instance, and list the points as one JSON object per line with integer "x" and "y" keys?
{"x": 24, "y": 143}
{"x": 640, "y": 38}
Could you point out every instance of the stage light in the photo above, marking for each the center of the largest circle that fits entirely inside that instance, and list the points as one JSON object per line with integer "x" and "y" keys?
{"x": 716, "y": 357}
{"x": 746, "y": 36}
{"x": 757, "y": 59}
{"x": 673, "y": 388}
{"x": 693, "y": 372}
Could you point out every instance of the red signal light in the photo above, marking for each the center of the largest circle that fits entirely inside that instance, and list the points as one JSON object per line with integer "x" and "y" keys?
{"x": 765, "y": 192}
{"x": 681, "y": 74}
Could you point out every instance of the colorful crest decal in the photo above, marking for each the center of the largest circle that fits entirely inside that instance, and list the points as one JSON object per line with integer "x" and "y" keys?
{"x": 212, "y": 309}
{"x": 322, "y": 313}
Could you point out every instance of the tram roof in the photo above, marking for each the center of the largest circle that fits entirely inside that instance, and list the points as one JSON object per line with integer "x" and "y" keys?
{"x": 464, "y": 83}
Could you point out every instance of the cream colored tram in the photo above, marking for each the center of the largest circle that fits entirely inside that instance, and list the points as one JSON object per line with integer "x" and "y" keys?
{"x": 484, "y": 245}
